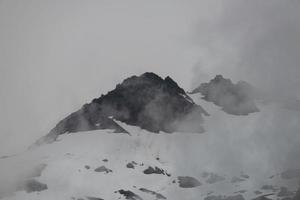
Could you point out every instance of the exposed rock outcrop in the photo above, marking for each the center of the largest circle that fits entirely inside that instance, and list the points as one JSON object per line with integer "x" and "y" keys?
{"x": 236, "y": 99}
{"x": 129, "y": 195}
{"x": 188, "y": 182}
{"x": 147, "y": 101}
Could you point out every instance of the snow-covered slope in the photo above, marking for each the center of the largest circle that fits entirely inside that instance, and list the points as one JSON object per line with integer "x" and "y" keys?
{"x": 240, "y": 157}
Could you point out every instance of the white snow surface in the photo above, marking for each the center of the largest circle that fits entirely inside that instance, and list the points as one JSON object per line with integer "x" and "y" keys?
{"x": 260, "y": 145}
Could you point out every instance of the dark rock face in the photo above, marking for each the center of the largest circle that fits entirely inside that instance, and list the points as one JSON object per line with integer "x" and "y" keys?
{"x": 236, "y": 99}
{"x": 147, "y": 101}
{"x": 188, "y": 182}
{"x": 129, "y": 195}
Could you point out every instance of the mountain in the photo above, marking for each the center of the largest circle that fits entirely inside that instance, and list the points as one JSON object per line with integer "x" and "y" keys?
{"x": 236, "y": 99}
{"x": 236, "y": 158}
{"x": 147, "y": 101}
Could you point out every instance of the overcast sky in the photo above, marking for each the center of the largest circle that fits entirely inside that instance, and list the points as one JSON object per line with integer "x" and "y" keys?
{"x": 57, "y": 55}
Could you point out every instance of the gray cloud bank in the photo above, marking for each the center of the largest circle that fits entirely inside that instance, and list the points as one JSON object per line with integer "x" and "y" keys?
{"x": 258, "y": 42}
{"x": 255, "y": 41}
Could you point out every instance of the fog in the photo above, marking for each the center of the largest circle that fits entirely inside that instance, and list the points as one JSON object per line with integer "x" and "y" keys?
{"x": 57, "y": 55}
{"x": 255, "y": 41}
{"x": 258, "y": 42}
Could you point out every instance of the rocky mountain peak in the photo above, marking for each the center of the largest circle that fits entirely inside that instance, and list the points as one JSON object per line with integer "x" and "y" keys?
{"x": 147, "y": 101}
{"x": 236, "y": 99}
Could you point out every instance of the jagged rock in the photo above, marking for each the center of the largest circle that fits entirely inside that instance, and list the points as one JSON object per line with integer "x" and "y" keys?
{"x": 155, "y": 170}
{"x": 103, "y": 169}
{"x": 156, "y": 194}
{"x": 236, "y": 99}
{"x": 129, "y": 195}
{"x": 147, "y": 101}
{"x": 188, "y": 182}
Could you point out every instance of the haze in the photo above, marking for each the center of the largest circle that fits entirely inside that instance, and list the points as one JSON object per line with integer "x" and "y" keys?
{"x": 57, "y": 55}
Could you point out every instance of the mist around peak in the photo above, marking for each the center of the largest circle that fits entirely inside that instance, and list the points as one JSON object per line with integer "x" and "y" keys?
{"x": 234, "y": 98}
{"x": 148, "y": 101}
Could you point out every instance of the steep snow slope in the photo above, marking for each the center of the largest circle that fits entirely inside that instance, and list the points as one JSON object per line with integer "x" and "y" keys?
{"x": 237, "y": 156}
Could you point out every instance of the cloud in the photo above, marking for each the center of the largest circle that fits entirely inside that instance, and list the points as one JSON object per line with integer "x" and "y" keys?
{"x": 258, "y": 42}
{"x": 255, "y": 41}
{"x": 57, "y": 55}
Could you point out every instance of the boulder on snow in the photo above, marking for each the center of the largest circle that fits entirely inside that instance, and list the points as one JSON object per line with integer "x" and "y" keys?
{"x": 156, "y": 194}
{"x": 129, "y": 195}
{"x": 155, "y": 170}
{"x": 130, "y": 165}
{"x": 188, "y": 182}
{"x": 103, "y": 169}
